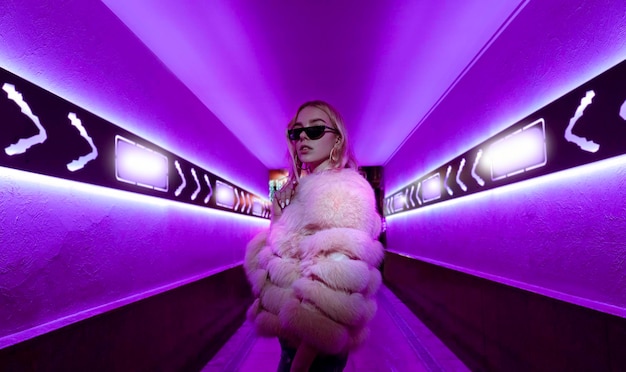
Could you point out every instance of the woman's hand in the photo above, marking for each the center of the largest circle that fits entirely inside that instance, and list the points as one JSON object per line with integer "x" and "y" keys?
{"x": 282, "y": 198}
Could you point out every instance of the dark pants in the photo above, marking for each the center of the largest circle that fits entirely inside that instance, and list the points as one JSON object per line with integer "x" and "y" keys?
{"x": 322, "y": 363}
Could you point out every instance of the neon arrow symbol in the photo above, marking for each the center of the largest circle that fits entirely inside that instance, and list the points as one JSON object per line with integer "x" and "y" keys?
{"x": 182, "y": 176}
{"x": 206, "y": 179}
{"x": 79, "y": 163}
{"x": 406, "y": 198}
{"x": 195, "y": 177}
{"x": 237, "y": 197}
{"x": 412, "y": 195}
{"x": 417, "y": 192}
{"x": 458, "y": 174}
{"x": 445, "y": 182}
{"x": 582, "y": 142}
{"x": 475, "y": 176}
{"x": 24, "y": 143}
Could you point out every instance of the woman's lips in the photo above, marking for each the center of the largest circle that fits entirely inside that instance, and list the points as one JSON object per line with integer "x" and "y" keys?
{"x": 305, "y": 149}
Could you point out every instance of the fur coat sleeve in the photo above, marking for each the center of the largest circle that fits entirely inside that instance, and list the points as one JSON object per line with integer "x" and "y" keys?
{"x": 315, "y": 272}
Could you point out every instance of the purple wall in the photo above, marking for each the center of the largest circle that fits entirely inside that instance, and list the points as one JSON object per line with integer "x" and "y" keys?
{"x": 70, "y": 250}
{"x": 562, "y": 236}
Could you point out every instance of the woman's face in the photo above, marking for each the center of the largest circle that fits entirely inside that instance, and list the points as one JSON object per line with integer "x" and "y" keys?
{"x": 312, "y": 153}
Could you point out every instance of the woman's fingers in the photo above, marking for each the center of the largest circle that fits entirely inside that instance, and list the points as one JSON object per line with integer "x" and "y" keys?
{"x": 284, "y": 196}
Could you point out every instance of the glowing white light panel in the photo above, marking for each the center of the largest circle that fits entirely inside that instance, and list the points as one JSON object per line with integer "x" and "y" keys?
{"x": 139, "y": 165}
{"x": 399, "y": 200}
{"x": 518, "y": 152}
{"x": 431, "y": 188}
{"x": 224, "y": 195}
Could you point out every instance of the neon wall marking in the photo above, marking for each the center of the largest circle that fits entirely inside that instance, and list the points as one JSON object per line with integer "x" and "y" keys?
{"x": 81, "y": 161}
{"x": 44, "y": 134}
{"x": 412, "y": 195}
{"x": 23, "y": 144}
{"x": 183, "y": 181}
{"x": 583, "y": 126}
{"x": 582, "y": 142}
{"x": 475, "y": 175}
{"x": 208, "y": 183}
{"x": 458, "y": 180}
{"x": 448, "y": 189}
{"x": 198, "y": 187}
{"x": 417, "y": 193}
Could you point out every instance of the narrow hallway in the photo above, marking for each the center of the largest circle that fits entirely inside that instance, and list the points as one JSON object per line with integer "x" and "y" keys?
{"x": 399, "y": 341}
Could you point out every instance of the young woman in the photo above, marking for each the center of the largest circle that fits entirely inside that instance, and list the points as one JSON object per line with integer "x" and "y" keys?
{"x": 314, "y": 272}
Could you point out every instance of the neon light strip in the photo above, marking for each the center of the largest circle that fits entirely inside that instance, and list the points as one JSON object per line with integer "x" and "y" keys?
{"x": 561, "y": 176}
{"x": 458, "y": 176}
{"x": 513, "y": 157}
{"x": 36, "y": 179}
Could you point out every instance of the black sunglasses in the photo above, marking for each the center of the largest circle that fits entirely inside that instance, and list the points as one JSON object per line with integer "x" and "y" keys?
{"x": 314, "y": 132}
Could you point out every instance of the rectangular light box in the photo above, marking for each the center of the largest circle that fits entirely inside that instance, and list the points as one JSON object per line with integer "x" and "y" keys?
{"x": 519, "y": 152}
{"x": 139, "y": 165}
{"x": 257, "y": 207}
{"x": 431, "y": 188}
{"x": 224, "y": 195}
{"x": 399, "y": 201}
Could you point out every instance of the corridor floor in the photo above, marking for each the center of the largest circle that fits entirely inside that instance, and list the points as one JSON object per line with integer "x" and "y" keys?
{"x": 398, "y": 342}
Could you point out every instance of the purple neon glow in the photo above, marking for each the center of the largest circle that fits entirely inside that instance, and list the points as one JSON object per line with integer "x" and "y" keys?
{"x": 431, "y": 188}
{"x": 516, "y": 76}
{"x": 239, "y": 60}
{"x": 479, "y": 234}
{"x": 372, "y": 61}
{"x": 518, "y": 152}
{"x": 71, "y": 187}
{"x": 113, "y": 75}
{"x": 139, "y": 165}
{"x": 538, "y": 234}
{"x": 87, "y": 238}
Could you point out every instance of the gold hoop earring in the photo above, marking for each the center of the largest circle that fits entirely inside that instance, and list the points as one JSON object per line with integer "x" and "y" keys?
{"x": 332, "y": 155}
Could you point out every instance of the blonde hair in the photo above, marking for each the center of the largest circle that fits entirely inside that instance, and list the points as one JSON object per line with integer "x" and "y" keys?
{"x": 345, "y": 156}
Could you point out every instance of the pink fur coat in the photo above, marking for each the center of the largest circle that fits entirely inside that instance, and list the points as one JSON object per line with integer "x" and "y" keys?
{"x": 314, "y": 272}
